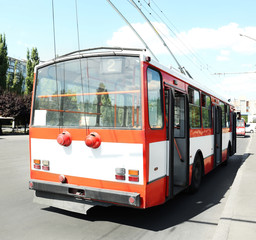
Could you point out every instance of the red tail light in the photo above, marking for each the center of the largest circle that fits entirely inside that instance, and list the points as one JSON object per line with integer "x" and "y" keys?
{"x": 133, "y": 179}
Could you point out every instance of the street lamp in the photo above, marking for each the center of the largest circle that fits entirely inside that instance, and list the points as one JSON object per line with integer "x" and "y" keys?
{"x": 242, "y": 35}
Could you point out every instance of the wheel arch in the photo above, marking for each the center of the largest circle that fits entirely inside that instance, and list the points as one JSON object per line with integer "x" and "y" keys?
{"x": 200, "y": 155}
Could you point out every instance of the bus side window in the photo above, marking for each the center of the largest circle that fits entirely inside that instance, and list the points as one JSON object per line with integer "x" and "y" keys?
{"x": 228, "y": 115}
{"x": 155, "y": 109}
{"x": 224, "y": 115}
{"x": 179, "y": 115}
{"x": 166, "y": 94}
{"x": 206, "y": 111}
{"x": 194, "y": 108}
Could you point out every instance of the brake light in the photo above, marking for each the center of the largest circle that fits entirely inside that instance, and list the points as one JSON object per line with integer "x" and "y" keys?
{"x": 133, "y": 175}
{"x": 120, "y": 173}
{"x": 120, "y": 177}
{"x": 133, "y": 179}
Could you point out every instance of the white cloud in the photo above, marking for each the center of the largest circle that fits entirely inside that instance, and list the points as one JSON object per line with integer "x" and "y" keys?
{"x": 226, "y": 37}
{"x": 222, "y": 58}
{"x": 224, "y": 55}
{"x": 233, "y": 86}
{"x": 125, "y": 37}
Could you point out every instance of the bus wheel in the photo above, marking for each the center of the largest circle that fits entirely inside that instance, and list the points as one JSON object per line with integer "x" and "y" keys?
{"x": 225, "y": 163}
{"x": 196, "y": 175}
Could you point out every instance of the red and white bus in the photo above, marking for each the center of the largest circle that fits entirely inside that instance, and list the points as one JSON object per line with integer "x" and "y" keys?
{"x": 240, "y": 127}
{"x": 114, "y": 127}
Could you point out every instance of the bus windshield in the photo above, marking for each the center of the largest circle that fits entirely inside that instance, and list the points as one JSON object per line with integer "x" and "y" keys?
{"x": 93, "y": 92}
{"x": 240, "y": 123}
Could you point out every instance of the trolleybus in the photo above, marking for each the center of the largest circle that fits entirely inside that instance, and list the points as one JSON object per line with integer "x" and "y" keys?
{"x": 240, "y": 127}
{"x": 112, "y": 126}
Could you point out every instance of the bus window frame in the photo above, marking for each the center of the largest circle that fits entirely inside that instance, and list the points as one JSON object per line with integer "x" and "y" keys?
{"x": 208, "y": 109}
{"x": 200, "y": 108}
{"x": 161, "y": 97}
{"x": 35, "y": 82}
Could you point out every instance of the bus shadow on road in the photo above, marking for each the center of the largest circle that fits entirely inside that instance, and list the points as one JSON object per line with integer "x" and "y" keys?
{"x": 183, "y": 208}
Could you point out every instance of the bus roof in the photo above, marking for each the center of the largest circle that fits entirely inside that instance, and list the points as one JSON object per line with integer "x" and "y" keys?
{"x": 103, "y": 51}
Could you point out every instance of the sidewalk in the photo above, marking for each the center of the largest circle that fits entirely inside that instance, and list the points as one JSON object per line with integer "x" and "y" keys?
{"x": 238, "y": 220}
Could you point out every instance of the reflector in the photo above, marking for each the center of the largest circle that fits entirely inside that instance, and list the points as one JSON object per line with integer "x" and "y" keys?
{"x": 132, "y": 200}
{"x": 62, "y": 178}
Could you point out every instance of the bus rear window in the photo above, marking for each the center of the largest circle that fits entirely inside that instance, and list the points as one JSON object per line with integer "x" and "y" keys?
{"x": 93, "y": 92}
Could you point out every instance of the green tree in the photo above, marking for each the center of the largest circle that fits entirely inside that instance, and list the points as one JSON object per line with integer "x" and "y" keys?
{"x": 17, "y": 80}
{"x": 9, "y": 81}
{"x": 17, "y": 106}
{"x": 32, "y": 61}
{"x": 3, "y": 62}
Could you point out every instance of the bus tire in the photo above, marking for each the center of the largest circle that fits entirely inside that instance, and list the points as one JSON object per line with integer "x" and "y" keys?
{"x": 225, "y": 163}
{"x": 197, "y": 174}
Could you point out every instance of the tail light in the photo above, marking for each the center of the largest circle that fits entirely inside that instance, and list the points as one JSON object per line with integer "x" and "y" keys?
{"x": 37, "y": 164}
{"x": 45, "y": 165}
{"x": 133, "y": 175}
{"x": 120, "y": 173}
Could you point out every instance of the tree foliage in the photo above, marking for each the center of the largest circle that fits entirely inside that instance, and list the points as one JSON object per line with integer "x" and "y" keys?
{"x": 15, "y": 105}
{"x": 3, "y": 62}
{"x": 32, "y": 61}
{"x": 14, "y": 80}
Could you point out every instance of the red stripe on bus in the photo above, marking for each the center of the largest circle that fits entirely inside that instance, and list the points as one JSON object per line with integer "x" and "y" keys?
{"x": 107, "y": 135}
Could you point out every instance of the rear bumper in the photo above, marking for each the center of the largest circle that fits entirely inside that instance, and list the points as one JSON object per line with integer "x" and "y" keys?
{"x": 55, "y": 194}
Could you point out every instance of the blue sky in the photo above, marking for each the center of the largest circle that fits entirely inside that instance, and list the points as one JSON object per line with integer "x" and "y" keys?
{"x": 206, "y": 39}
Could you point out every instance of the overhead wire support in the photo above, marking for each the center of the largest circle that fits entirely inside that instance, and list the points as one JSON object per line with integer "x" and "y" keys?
{"x": 53, "y": 28}
{"x": 77, "y": 27}
{"x": 160, "y": 37}
{"x": 228, "y": 73}
{"x": 133, "y": 29}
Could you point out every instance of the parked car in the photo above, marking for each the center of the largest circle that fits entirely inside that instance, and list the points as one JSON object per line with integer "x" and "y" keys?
{"x": 250, "y": 127}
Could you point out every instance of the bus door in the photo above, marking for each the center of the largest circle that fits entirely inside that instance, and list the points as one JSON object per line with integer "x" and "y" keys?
{"x": 178, "y": 140}
{"x": 217, "y": 120}
{"x": 233, "y": 121}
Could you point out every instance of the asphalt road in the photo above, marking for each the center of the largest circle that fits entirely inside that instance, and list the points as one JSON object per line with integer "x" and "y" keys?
{"x": 186, "y": 217}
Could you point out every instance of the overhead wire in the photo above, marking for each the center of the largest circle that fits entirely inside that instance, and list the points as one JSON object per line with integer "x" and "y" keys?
{"x": 197, "y": 61}
{"x": 81, "y": 71}
{"x": 176, "y": 34}
{"x": 158, "y": 35}
{"x": 55, "y": 65}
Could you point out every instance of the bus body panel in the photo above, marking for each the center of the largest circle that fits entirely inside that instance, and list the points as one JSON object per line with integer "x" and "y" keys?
{"x": 127, "y": 145}
{"x": 81, "y": 161}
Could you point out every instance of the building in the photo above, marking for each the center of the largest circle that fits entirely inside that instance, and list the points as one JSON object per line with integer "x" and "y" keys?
{"x": 246, "y": 107}
{"x": 21, "y": 66}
